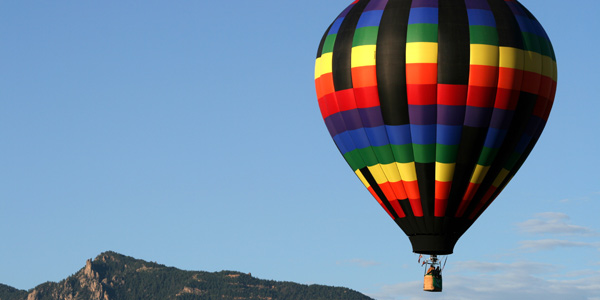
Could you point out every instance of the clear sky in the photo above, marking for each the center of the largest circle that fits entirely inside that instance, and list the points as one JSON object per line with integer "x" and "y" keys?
{"x": 188, "y": 133}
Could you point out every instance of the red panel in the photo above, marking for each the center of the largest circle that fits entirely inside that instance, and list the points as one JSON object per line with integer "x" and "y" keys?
{"x": 452, "y": 94}
{"x": 380, "y": 202}
{"x": 546, "y": 87}
{"x": 471, "y": 190}
{"x": 510, "y": 78}
{"x": 399, "y": 190}
{"x": 399, "y": 211}
{"x": 324, "y": 85}
{"x": 387, "y": 190}
{"x": 416, "y": 207}
{"x": 483, "y": 201}
{"x": 331, "y": 105}
{"x": 483, "y": 75}
{"x": 366, "y": 97}
{"x": 412, "y": 189}
{"x": 506, "y": 99}
{"x": 421, "y": 73}
{"x": 345, "y": 99}
{"x": 421, "y": 94}
{"x": 442, "y": 189}
{"x": 440, "y": 207}
{"x": 462, "y": 207}
{"x": 531, "y": 82}
{"x": 364, "y": 76}
{"x": 442, "y": 192}
{"x": 480, "y": 96}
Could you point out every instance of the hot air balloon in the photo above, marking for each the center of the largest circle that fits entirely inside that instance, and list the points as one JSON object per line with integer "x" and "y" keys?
{"x": 435, "y": 105}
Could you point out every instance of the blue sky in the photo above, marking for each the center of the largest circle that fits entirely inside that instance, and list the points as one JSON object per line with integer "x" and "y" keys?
{"x": 188, "y": 133}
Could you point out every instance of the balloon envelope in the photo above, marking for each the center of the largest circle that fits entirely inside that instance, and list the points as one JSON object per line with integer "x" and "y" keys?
{"x": 435, "y": 105}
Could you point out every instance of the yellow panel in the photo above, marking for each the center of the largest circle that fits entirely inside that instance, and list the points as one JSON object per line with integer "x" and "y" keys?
{"x": 548, "y": 66}
{"x": 533, "y": 62}
{"x": 378, "y": 174}
{"x": 407, "y": 171}
{"x": 363, "y": 56}
{"x": 479, "y": 174}
{"x": 511, "y": 58}
{"x": 500, "y": 177}
{"x": 421, "y": 52}
{"x": 391, "y": 172}
{"x": 444, "y": 172}
{"x": 362, "y": 178}
{"x": 485, "y": 55}
{"x": 555, "y": 72}
{"x": 324, "y": 64}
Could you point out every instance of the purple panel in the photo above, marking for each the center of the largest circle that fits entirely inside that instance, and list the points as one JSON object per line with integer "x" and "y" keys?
{"x": 450, "y": 114}
{"x": 422, "y": 114}
{"x": 376, "y": 5}
{"x": 371, "y": 116}
{"x": 501, "y": 118}
{"x": 477, "y": 4}
{"x": 352, "y": 119}
{"x": 424, "y": 3}
{"x": 478, "y": 116}
{"x": 335, "y": 124}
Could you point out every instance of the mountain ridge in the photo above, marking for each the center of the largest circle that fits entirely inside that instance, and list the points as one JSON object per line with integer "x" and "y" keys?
{"x": 114, "y": 276}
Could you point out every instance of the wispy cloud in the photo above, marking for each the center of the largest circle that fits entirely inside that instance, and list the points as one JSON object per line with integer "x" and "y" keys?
{"x": 358, "y": 262}
{"x": 553, "y": 223}
{"x": 515, "y": 281}
{"x": 550, "y": 244}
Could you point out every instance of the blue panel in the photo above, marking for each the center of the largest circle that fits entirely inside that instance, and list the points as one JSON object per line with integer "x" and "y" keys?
{"x": 341, "y": 141}
{"x": 449, "y": 135}
{"x": 423, "y": 134}
{"x": 481, "y": 17}
{"x": 495, "y": 138}
{"x": 399, "y": 134}
{"x": 335, "y": 27}
{"x": 360, "y": 139}
{"x": 377, "y": 136}
{"x": 423, "y": 15}
{"x": 370, "y": 18}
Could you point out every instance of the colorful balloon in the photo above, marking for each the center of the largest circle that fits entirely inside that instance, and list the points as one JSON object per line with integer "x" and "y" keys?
{"x": 435, "y": 105}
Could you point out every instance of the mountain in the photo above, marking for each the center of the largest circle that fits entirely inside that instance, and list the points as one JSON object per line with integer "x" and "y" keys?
{"x": 113, "y": 276}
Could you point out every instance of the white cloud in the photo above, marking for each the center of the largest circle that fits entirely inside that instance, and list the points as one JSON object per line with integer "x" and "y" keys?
{"x": 513, "y": 281}
{"x": 550, "y": 244}
{"x": 553, "y": 223}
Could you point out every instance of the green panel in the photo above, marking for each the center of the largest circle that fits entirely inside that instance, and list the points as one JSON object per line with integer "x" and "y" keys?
{"x": 512, "y": 161}
{"x": 384, "y": 154}
{"x": 354, "y": 160}
{"x": 365, "y": 36}
{"x": 422, "y": 32}
{"x": 531, "y": 42}
{"x": 424, "y": 153}
{"x": 487, "y": 156}
{"x": 403, "y": 153}
{"x": 328, "y": 45}
{"x": 483, "y": 35}
{"x": 446, "y": 153}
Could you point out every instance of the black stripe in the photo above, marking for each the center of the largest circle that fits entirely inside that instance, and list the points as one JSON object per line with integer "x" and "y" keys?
{"x": 453, "y": 42}
{"x": 342, "y": 49}
{"x": 426, "y": 181}
{"x": 509, "y": 34}
{"x": 518, "y": 125}
{"x": 391, "y": 62}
